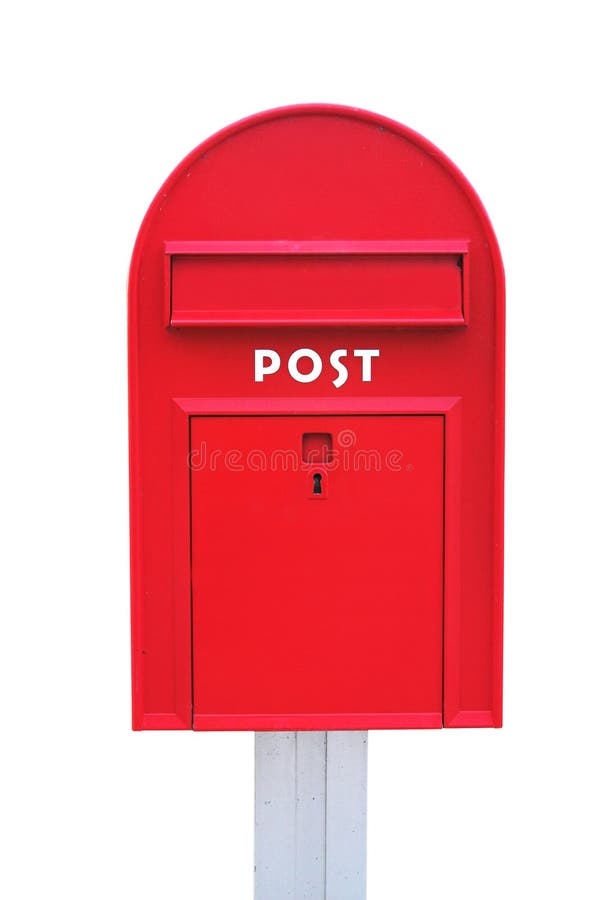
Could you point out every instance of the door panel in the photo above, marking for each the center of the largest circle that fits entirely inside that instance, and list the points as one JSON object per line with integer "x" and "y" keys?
{"x": 316, "y": 596}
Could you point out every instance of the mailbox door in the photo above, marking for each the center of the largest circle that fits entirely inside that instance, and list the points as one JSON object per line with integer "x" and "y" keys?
{"x": 317, "y": 571}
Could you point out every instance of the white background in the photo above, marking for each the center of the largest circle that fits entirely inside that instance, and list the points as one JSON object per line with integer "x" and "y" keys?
{"x": 99, "y": 102}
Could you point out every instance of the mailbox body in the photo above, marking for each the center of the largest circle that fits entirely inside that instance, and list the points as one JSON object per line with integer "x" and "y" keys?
{"x": 316, "y": 309}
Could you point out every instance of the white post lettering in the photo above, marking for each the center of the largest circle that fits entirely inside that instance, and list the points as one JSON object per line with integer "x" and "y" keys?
{"x": 367, "y": 356}
{"x": 339, "y": 367}
{"x": 308, "y": 354}
{"x": 260, "y": 370}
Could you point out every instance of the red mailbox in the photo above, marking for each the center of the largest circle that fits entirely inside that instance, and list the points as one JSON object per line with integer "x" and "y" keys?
{"x": 316, "y": 400}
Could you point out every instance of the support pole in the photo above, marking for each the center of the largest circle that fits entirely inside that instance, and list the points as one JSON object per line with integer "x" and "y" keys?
{"x": 310, "y": 817}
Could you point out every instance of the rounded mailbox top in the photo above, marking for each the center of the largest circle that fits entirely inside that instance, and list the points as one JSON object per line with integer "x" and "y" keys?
{"x": 318, "y": 172}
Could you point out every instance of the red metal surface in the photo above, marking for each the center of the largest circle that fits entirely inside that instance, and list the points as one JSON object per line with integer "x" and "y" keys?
{"x": 399, "y": 621}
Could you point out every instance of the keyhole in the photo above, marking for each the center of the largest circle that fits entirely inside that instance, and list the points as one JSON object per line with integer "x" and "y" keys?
{"x": 317, "y": 489}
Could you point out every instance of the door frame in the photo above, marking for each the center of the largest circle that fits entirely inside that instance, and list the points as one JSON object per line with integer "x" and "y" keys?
{"x": 184, "y": 409}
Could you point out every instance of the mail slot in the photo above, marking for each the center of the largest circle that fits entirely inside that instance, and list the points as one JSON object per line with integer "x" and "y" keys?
{"x": 316, "y": 348}
{"x": 287, "y": 282}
